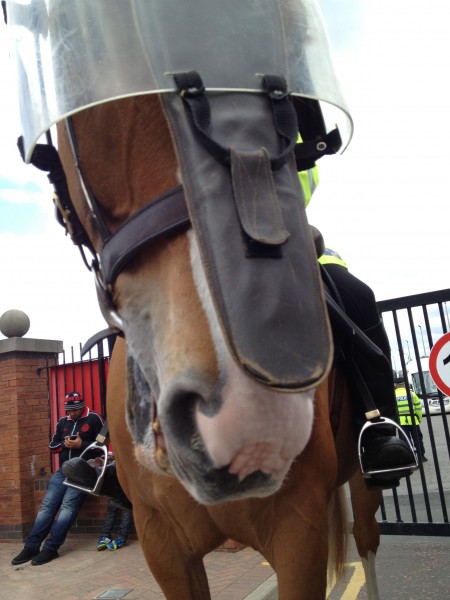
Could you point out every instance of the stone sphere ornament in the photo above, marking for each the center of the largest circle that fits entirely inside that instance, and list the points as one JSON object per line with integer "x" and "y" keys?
{"x": 14, "y": 323}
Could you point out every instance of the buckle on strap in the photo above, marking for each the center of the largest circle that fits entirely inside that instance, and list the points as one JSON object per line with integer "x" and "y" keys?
{"x": 97, "y": 445}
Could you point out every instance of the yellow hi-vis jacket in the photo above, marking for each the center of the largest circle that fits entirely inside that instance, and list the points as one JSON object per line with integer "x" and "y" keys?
{"x": 403, "y": 407}
{"x": 331, "y": 257}
{"x": 309, "y": 180}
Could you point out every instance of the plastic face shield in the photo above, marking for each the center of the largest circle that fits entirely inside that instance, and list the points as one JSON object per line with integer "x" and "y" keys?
{"x": 71, "y": 55}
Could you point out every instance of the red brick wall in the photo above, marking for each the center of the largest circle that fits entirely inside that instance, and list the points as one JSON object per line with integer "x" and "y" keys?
{"x": 24, "y": 450}
{"x": 25, "y": 466}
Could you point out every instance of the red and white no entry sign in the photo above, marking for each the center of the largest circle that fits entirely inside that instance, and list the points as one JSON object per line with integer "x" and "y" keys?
{"x": 440, "y": 363}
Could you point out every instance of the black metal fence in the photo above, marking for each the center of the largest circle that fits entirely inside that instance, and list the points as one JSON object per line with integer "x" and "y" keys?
{"x": 421, "y": 504}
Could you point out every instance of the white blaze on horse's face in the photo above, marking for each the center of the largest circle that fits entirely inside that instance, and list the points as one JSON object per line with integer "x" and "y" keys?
{"x": 256, "y": 429}
{"x": 224, "y": 435}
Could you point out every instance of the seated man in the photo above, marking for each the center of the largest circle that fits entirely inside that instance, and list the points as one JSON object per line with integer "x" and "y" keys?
{"x": 61, "y": 504}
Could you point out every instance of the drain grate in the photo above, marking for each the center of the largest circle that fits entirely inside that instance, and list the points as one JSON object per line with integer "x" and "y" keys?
{"x": 112, "y": 594}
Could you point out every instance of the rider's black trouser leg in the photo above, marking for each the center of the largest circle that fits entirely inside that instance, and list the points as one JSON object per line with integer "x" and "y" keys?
{"x": 360, "y": 305}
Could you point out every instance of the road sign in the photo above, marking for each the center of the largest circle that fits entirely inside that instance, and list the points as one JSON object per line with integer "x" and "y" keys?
{"x": 440, "y": 363}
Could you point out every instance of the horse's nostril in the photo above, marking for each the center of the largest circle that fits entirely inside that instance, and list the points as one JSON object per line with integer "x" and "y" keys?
{"x": 177, "y": 415}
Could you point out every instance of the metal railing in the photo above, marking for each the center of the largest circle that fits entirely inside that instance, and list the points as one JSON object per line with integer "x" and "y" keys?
{"x": 421, "y": 504}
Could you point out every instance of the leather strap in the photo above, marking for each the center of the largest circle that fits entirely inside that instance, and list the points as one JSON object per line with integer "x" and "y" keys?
{"x": 166, "y": 215}
{"x": 102, "y": 436}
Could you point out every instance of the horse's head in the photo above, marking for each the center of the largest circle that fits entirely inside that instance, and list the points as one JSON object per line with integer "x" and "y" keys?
{"x": 225, "y": 326}
{"x": 190, "y": 408}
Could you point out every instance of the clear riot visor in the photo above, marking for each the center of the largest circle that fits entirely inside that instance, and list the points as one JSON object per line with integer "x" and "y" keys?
{"x": 71, "y": 55}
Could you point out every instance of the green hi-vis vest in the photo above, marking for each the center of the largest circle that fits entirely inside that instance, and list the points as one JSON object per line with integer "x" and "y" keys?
{"x": 309, "y": 179}
{"x": 403, "y": 407}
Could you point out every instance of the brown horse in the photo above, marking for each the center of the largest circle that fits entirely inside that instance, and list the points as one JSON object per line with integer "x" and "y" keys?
{"x": 252, "y": 464}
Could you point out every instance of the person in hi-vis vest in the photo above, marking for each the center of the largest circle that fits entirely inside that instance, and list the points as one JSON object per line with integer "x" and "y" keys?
{"x": 410, "y": 422}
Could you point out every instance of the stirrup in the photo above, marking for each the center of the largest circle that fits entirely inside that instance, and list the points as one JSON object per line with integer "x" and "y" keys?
{"x": 98, "y": 484}
{"x": 396, "y": 472}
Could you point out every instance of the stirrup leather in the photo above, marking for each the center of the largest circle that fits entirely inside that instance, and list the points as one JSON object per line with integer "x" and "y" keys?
{"x": 95, "y": 491}
{"x": 388, "y": 473}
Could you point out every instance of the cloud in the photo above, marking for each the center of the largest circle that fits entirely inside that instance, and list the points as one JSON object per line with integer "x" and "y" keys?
{"x": 382, "y": 204}
{"x": 45, "y": 277}
{"x": 42, "y": 272}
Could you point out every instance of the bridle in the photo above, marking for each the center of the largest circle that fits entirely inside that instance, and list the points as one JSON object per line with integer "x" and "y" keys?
{"x": 160, "y": 218}
{"x": 167, "y": 214}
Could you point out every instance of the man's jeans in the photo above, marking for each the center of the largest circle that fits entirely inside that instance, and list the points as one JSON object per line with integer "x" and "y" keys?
{"x": 58, "y": 497}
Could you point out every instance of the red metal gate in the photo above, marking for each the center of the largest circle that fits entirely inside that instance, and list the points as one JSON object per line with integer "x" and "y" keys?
{"x": 88, "y": 377}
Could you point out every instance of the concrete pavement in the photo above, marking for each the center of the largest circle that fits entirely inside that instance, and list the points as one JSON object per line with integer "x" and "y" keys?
{"x": 409, "y": 568}
{"x": 83, "y": 573}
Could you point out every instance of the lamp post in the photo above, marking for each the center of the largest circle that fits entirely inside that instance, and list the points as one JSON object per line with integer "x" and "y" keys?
{"x": 423, "y": 343}
{"x": 409, "y": 352}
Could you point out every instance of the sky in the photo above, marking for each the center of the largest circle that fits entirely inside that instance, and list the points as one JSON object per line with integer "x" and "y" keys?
{"x": 382, "y": 204}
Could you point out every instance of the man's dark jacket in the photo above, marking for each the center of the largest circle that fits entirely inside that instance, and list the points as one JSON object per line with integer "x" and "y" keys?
{"x": 88, "y": 426}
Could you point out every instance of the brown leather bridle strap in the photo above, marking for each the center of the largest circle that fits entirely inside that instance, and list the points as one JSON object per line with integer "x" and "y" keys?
{"x": 165, "y": 215}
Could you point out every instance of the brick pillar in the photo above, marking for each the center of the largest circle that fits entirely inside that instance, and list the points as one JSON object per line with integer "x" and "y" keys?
{"x": 24, "y": 429}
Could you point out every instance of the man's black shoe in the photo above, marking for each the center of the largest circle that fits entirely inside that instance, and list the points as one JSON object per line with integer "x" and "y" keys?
{"x": 44, "y": 556}
{"x": 24, "y": 556}
{"x": 386, "y": 457}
